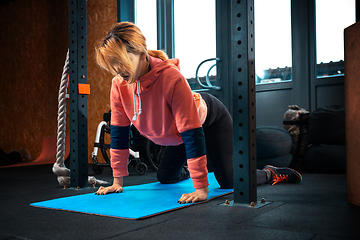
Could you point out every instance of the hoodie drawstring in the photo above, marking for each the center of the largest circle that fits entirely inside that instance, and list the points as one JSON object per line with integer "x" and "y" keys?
{"x": 138, "y": 86}
{"x": 140, "y": 110}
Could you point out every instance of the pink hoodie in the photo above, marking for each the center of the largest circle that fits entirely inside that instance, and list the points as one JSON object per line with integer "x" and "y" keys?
{"x": 161, "y": 106}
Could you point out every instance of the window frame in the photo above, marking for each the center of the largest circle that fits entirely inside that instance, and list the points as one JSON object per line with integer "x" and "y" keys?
{"x": 303, "y": 32}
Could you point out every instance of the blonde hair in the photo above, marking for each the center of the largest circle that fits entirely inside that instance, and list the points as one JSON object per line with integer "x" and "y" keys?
{"x": 122, "y": 39}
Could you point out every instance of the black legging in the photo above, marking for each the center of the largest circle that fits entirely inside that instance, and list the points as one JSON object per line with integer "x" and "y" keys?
{"x": 218, "y": 130}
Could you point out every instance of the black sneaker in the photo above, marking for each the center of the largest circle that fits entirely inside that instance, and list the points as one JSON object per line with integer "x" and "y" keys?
{"x": 288, "y": 175}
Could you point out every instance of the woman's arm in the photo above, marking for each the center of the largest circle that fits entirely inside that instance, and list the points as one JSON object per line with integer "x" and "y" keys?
{"x": 119, "y": 147}
{"x": 189, "y": 126}
{"x": 119, "y": 133}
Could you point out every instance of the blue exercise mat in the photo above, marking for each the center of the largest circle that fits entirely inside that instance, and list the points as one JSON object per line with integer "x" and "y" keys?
{"x": 135, "y": 202}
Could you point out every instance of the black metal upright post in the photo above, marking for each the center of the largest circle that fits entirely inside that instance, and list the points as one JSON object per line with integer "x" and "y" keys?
{"x": 78, "y": 100}
{"x": 236, "y": 75}
{"x": 244, "y": 108}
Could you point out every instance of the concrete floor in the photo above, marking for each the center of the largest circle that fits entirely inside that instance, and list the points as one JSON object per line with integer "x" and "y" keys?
{"x": 316, "y": 209}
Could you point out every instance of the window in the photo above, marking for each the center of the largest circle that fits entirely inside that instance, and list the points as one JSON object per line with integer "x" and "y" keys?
{"x": 195, "y": 35}
{"x": 272, "y": 41}
{"x": 145, "y": 19}
{"x": 332, "y": 16}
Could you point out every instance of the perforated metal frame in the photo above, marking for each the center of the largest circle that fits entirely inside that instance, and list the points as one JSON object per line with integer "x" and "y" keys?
{"x": 78, "y": 102}
{"x": 236, "y": 73}
{"x": 236, "y": 76}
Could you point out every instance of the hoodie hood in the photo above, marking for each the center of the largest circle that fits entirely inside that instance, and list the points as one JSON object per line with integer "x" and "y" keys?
{"x": 144, "y": 83}
{"x": 157, "y": 66}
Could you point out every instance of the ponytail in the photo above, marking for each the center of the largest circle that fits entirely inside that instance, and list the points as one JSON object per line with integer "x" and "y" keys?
{"x": 158, "y": 54}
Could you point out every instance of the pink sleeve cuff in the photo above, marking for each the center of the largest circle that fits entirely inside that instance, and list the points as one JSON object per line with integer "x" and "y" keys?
{"x": 119, "y": 162}
{"x": 200, "y": 183}
{"x": 198, "y": 171}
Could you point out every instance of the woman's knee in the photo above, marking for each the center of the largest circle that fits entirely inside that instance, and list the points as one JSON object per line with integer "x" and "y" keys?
{"x": 164, "y": 177}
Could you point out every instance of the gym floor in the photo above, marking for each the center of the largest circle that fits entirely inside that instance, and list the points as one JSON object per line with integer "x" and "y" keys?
{"x": 316, "y": 209}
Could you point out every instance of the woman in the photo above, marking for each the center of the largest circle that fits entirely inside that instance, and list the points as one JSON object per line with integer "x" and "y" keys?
{"x": 149, "y": 92}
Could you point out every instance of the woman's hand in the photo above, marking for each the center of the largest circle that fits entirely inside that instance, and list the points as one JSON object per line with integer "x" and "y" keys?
{"x": 116, "y": 187}
{"x": 200, "y": 194}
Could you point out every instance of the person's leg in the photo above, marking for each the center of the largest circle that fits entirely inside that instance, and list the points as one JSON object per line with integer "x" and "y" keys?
{"x": 218, "y": 130}
{"x": 219, "y": 151}
{"x": 171, "y": 168}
